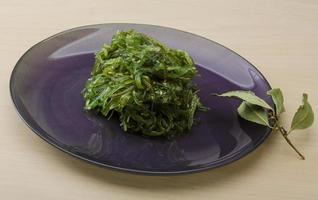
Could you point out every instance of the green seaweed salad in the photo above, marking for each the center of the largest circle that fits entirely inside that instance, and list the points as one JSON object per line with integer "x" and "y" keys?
{"x": 148, "y": 84}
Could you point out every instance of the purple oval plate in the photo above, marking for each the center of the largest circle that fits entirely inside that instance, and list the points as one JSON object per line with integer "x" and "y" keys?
{"x": 46, "y": 86}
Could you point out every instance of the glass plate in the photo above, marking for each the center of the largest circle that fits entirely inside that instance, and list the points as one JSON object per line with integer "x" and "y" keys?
{"x": 46, "y": 86}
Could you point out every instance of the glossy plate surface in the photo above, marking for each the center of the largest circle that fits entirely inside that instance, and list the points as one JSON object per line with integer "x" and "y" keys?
{"x": 46, "y": 87}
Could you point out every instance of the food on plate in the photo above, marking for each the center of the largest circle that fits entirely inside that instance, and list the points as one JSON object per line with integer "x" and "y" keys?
{"x": 148, "y": 85}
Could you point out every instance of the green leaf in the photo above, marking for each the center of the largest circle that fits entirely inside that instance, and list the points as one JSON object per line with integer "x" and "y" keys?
{"x": 278, "y": 99}
{"x": 247, "y": 96}
{"x": 253, "y": 113}
{"x": 304, "y": 117}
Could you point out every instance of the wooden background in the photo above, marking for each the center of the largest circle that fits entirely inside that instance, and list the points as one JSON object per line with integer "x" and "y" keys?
{"x": 280, "y": 37}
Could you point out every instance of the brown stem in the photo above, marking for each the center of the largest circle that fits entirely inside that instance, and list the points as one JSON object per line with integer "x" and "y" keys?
{"x": 284, "y": 134}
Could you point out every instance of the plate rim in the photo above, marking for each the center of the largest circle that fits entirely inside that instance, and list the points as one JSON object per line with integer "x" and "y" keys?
{"x": 221, "y": 162}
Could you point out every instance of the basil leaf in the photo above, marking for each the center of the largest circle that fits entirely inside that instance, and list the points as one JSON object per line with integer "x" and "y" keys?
{"x": 304, "y": 117}
{"x": 247, "y": 96}
{"x": 253, "y": 113}
{"x": 278, "y": 99}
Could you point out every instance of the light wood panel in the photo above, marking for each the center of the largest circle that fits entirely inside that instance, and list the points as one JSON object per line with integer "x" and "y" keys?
{"x": 280, "y": 37}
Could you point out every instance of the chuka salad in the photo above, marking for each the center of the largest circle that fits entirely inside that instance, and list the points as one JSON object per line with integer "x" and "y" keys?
{"x": 148, "y": 84}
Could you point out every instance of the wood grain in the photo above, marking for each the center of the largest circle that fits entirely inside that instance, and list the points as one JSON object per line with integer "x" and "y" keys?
{"x": 280, "y": 37}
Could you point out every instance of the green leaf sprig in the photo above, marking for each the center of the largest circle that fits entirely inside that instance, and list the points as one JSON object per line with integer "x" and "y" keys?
{"x": 256, "y": 110}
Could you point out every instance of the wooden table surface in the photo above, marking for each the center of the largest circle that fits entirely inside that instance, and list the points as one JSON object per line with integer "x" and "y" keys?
{"x": 280, "y": 37}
